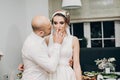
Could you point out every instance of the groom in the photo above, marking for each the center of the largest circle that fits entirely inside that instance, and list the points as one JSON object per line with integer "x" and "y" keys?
{"x": 37, "y": 63}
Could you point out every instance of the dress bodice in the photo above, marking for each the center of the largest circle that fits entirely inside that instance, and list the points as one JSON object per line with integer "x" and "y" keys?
{"x": 66, "y": 49}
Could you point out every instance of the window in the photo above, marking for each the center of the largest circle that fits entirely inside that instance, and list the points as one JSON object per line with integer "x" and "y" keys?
{"x": 100, "y": 34}
{"x": 77, "y": 29}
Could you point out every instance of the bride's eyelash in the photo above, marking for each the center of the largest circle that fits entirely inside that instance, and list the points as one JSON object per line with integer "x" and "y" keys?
{"x": 54, "y": 22}
{"x": 62, "y": 22}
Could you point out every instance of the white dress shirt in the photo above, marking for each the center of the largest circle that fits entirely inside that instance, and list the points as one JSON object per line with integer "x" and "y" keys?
{"x": 37, "y": 63}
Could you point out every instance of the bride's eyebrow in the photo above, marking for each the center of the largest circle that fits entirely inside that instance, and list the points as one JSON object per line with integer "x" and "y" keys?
{"x": 62, "y": 22}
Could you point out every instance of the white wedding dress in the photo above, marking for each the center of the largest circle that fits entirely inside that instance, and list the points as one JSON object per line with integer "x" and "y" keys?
{"x": 63, "y": 71}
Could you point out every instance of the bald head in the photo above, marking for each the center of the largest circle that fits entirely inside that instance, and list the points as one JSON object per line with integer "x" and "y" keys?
{"x": 40, "y": 23}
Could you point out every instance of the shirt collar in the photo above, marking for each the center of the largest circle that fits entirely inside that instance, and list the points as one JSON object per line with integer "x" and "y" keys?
{"x": 38, "y": 37}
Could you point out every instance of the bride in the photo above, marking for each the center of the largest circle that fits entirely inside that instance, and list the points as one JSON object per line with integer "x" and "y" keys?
{"x": 70, "y": 48}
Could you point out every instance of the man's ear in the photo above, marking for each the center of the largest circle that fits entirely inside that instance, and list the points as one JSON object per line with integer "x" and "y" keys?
{"x": 41, "y": 33}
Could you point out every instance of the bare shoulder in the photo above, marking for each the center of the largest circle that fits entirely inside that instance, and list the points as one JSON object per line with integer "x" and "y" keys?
{"x": 75, "y": 44}
{"x": 75, "y": 39}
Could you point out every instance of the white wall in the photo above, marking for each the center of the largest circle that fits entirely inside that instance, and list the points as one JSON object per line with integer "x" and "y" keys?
{"x": 15, "y": 25}
{"x": 91, "y": 10}
{"x": 35, "y": 7}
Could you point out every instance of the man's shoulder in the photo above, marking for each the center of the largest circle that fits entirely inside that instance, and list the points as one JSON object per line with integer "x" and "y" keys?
{"x": 29, "y": 41}
{"x": 33, "y": 40}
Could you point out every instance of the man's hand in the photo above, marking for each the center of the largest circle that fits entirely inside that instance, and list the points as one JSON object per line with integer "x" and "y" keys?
{"x": 21, "y": 67}
{"x": 71, "y": 62}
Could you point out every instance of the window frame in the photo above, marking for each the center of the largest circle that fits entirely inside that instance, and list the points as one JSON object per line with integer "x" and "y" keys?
{"x": 86, "y": 27}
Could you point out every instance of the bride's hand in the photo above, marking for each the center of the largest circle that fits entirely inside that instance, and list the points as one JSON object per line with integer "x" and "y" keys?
{"x": 58, "y": 36}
